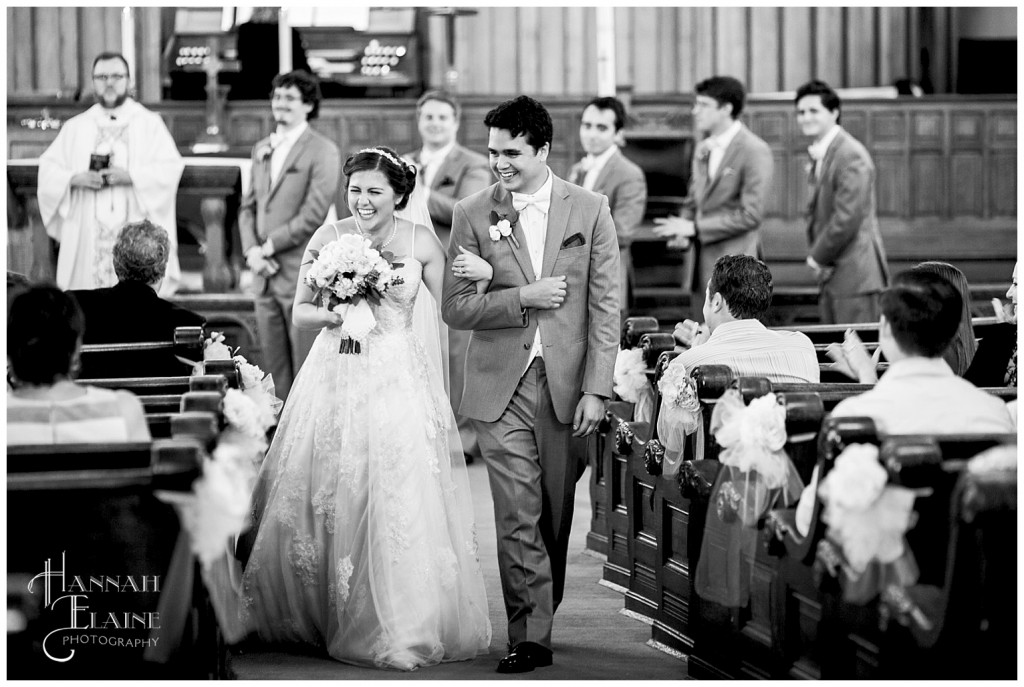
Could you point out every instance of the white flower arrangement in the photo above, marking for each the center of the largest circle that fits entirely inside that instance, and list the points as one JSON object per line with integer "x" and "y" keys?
{"x": 251, "y": 375}
{"x": 349, "y": 272}
{"x": 501, "y": 227}
{"x": 867, "y": 518}
{"x": 752, "y": 437}
{"x": 247, "y": 416}
{"x": 678, "y": 389}
{"x": 630, "y": 374}
{"x": 214, "y": 347}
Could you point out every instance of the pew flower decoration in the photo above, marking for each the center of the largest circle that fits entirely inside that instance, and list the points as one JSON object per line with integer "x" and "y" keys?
{"x": 679, "y": 417}
{"x": 630, "y": 374}
{"x": 346, "y": 276}
{"x": 214, "y": 347}
{"x": 257, "y": 385}
{"x": 247, "y": 416}
{"x": 868, "y": 519}
{"x": 501, "y": 227}
{"x": 752, "y": 437}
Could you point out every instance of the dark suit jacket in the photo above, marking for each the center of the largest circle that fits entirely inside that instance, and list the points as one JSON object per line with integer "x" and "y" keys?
{"x": 843, "y": 227}
{"x": 290, "y": 210}
{"x": 625, "y": 185}
{"x": 131, "y": 312}
{"x": 727, "y": 210}
{"x": 988, "y": 368}
{"x": 461, "y": 174}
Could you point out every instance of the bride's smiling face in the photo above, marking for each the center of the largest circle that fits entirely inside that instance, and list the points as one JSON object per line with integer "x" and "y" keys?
{"x": 371, "y": 200}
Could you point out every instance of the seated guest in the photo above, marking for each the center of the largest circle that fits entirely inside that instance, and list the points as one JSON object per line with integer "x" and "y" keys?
{"x": 738, "y": 294}
{"x": 852, "y": 359}
{"x": 130, "y": 311}
{"x": 919, "y": 394}
{"x": 44, "y": 337}
{"x": 995, "y": 363}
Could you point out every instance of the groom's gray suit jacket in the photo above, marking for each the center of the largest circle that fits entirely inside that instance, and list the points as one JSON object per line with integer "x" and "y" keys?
{"x": 580, "y": 336}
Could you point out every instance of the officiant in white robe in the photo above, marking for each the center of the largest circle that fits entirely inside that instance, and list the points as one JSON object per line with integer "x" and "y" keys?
{"x": 84, "y": 208}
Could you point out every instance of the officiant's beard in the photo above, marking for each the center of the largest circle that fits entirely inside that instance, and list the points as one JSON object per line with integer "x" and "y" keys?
{"x": 118, "y": 101}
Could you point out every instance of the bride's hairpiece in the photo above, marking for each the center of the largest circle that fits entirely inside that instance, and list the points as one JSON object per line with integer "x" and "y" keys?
{"x": 385, "y": 154}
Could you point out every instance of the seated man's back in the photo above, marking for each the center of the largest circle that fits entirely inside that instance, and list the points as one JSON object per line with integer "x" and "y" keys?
{"x": 738, "y": 294}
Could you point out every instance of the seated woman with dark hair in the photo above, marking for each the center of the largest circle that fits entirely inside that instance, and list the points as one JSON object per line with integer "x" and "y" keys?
{"x": 45, "y": 406}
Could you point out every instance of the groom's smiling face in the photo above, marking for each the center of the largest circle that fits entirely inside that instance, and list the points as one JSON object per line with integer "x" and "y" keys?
{"x": 518, "y": 165}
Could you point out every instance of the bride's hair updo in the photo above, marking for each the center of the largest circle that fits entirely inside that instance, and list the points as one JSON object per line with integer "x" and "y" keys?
{"x": 401, "y": 176}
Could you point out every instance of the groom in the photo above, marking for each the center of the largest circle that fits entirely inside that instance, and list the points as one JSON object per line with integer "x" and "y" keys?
{"x": 540, "y": 358}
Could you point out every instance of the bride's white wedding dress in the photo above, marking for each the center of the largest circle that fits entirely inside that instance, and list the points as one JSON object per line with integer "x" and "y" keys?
{"x": 365, "y": 543}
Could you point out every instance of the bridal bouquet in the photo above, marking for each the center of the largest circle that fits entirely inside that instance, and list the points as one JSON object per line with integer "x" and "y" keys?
{"x": 346, "y": 276}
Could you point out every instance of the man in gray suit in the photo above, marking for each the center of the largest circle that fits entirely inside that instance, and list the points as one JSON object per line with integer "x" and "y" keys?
{"x": 729, "y": 182}
{"x": 540, "y": 360}
{"x": 846, "y": 253}
{"x": 294, "y": 179}
{"x": 451, "y": 172}
{"x": 607, "y": 171}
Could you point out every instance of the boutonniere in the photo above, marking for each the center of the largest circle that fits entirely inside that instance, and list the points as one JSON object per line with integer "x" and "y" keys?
{"x": 704, "y": 154}
{"x": 264, "y": 153}
{"x": 502, "y": 225}
{"x": 447, "y": 181}
{"x": 727, "y": 171}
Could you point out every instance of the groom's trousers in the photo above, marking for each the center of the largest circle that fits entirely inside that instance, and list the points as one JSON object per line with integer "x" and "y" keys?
{"x": 531, "y": 461}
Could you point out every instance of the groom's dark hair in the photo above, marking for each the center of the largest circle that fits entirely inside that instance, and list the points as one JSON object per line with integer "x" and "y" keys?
{"x": 522, "y": 115}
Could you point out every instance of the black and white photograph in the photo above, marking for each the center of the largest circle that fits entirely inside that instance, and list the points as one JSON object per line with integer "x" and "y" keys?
{"x": 449, "y": 343}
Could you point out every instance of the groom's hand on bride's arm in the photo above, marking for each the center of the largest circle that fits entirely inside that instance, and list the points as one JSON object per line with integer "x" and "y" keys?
{"x": 543, "y": 294}
{"x": 589, "y": 412}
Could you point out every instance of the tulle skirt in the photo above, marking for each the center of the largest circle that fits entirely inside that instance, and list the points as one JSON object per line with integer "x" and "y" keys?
{"x": 364, "y": 536}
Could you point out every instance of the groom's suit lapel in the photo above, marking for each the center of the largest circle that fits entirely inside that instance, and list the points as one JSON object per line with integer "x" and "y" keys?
{"x": 558, "y": 221}
{"x": 503, "y": 206}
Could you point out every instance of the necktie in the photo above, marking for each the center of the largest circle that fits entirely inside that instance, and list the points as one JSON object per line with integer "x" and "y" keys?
{"x": 521, "y": 201}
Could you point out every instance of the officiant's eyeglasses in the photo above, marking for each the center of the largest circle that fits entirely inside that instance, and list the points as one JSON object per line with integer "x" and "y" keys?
{"x": 110, "y": 77}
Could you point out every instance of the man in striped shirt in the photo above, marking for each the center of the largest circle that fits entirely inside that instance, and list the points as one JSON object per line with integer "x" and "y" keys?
{"x": 738, "y": 294}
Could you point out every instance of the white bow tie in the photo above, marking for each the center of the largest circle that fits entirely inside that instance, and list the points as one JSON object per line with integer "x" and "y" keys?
{"x": 520, "y": 201}
{"x": 816, "y": 152}
{"x": 276, "y": 139}
{"x": 587, "y": 163}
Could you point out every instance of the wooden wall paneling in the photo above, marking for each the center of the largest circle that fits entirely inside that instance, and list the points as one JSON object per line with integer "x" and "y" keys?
{"x": 773, "y": 127}
{"x": 93, "y": 34}
{"x": 624, "y": 47}
{"x": 112, "y": 26}
{"x": 914, "y": 43}
{"x": 11, "y": 52}
{"x": 590, "y": 43}
{"x": 891, "y": 187}
{"x": 69, "y": 58}
{"x": 530, "y": 49}
{"x": 684, "y": 50}
{"x": 437, "y": 51}
{"x": 893, "y": 45}
{"x": 503, "y": 47}
{"x": 967, "y": 171}
{"x": 797, "y": 53}
{"x": 47, "y": 50}
{"x": 732, "y": 44}
{"x": 645, "y": 53}
{"x": 941, "y": 67}
{"x": 246, "y": 129}
{"x": 704, "y": 45}
{"x": 666, "y": 40}
{"x": 472, "y": 58}
{"x": 765, "y": 57}
{"x": 798, "y": 177}
{"x": 862, "y": 60}
{"x": 22, "y": 40}
{"x": 828, "y": 44}
{"x": 552, "y": 52}
{"x": 580, "y": 55}
{"x": 928, "y": 198}
{"x": 1002, "y": 167}
{"x": 147, "y": 33}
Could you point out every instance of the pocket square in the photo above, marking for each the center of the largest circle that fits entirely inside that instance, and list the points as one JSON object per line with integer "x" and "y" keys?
{"x": 291, "y": 170}
{"x": 573, "y": 241}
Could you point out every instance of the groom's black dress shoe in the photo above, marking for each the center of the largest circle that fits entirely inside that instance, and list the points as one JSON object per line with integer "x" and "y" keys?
{"x": 524, "y": 658}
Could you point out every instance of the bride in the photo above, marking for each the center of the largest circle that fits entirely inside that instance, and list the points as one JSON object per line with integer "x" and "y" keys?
{"x": 364, "y": 542}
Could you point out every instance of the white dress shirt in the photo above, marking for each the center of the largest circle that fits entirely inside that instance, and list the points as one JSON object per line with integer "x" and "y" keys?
{"x": 817, "y": 150}
{"x": 594, "y": 164}
{"x": 917, "y": 396}
{"x": 753, "y": 350}
{"x": 282, "y": 144}
{"x": 535, "y": 230}
{"x": 430, "y": 162}
{"x": 717, "y": 145}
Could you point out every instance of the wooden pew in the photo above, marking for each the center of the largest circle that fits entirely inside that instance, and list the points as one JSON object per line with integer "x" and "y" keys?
{"x": 186, "y": 342}
{"x": 854, "y": 640}
{"x": 89, "y": 511}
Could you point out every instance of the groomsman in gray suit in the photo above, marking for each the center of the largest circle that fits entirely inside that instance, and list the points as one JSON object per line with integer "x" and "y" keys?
{"x": 451, "y": 172}
{"x": 294, "y": 180}
{"x": 540, "y": 360}
{"x": 729, "y": 182}
{"x": 607, "y": 171}
{"x": 846, "y": 252}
